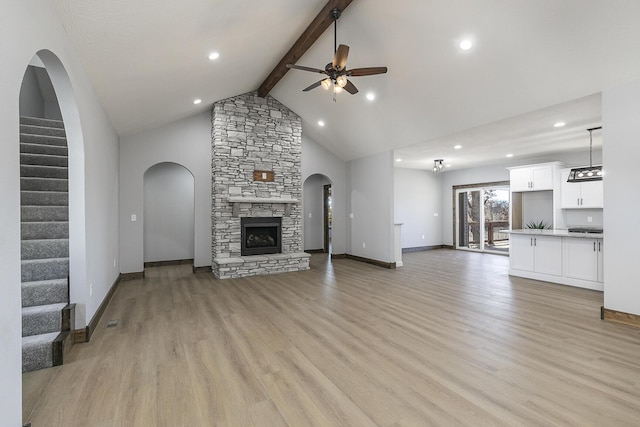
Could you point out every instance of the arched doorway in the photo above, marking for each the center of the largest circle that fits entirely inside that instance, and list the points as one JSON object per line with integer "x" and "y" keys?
{"x": 317, "y": 214}
{"x": 169, "y": 214}
{"x": 52, "y": 212}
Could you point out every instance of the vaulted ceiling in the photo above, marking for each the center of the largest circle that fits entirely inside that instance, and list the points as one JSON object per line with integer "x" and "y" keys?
{"x": 533, "y": 63}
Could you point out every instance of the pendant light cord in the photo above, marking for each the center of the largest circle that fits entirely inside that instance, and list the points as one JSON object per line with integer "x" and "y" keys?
{"x": 591, "y": 144}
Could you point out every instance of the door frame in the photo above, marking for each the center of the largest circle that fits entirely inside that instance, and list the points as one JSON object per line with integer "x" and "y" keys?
{"x": 454, "y": 198}
{"x": 326, "y": 194}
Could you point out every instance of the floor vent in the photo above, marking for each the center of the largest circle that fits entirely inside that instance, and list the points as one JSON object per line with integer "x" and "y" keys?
{"x": 112, "y": 323}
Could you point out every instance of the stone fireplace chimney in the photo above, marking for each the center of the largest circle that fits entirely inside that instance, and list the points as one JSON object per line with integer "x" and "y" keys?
{"x": 256, "y": 172}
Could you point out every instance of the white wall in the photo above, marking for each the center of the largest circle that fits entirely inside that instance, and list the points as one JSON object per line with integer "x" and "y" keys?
{"x": 186, "y": 142}
{"x": 417, "y": 197}
{"x": 318, "y": 160}
{"x": 621, "y": 136}
{"x": 313, "y": 211}
{"x": 168, "y": 213}
{"x": 27, "y": 28}
{"x": 370, "y": 185}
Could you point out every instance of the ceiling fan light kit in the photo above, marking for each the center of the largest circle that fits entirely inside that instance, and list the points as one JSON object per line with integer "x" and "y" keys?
{"x": 336, "y": 71}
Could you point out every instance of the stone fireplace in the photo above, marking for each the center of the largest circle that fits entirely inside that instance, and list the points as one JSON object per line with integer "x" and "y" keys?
{"x": 256, "y": 179}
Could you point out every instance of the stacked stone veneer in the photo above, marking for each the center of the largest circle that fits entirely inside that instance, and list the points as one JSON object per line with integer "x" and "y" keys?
{"x": 252, "y": 133}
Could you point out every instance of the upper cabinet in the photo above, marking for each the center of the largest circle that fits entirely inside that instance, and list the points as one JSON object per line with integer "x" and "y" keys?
{"x": 532, "y": 178}
{"x": 581, "y": 195}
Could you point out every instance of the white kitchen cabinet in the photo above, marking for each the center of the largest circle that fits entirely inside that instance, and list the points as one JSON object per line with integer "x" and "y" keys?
{"x": 582, "y": 259}
{"x": 532, "y": 178}
{"x": 536, "y": 254}
{"x": 581, "y": 195}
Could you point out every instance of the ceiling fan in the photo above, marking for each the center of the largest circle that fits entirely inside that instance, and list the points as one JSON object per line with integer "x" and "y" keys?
{"x": 336, "y": 71}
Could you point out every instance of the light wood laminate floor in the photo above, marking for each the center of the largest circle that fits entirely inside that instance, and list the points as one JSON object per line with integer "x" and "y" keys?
{"x": 448, "y": 339}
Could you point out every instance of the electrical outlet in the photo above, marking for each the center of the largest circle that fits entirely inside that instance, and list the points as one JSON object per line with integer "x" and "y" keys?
{"x": 364, "y": 245}
{"x": 435, "y": 214}
{"x": 91, "y": 289}
{"x": 310, "y": 214}
{"x": 351, "y": 216}
{"x": 134, "y": 218}
{"x": 589, "y": 219}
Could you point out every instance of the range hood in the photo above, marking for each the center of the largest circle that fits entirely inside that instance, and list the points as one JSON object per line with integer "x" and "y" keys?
{"x": 591, "y": 173}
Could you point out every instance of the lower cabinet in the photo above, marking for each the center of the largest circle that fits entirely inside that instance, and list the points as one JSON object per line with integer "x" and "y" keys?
{"x": 537, "y": 254}
{"x": 575, "y": 261}
{"x": 583, "y": 259}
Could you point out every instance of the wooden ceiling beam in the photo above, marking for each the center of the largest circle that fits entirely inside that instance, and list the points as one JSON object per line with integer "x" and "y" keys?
{"x": 317, "y": 27}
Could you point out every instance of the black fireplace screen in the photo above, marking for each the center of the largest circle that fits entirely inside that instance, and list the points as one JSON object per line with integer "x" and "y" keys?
{"x": 261, "y": 235}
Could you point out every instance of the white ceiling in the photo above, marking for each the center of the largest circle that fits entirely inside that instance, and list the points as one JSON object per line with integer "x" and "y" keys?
{"x": 148, "y": 61}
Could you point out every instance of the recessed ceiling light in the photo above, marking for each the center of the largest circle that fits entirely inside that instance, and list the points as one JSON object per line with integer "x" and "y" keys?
{"x": 214, "y": 55}
{"x": 320, "y": 123}
{"x": 559, "y": 124}
{"x": 371, "y": 96}
{"x": 447, "y": 166}
{"x": 457, "y": 147}
{"x": 197, "y": 101}
{"x": 509, "y": 155}
{"x": 398, "y": 160}
{"x": 466, "y": 44}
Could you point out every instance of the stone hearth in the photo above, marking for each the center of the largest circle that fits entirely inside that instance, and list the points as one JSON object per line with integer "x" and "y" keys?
{"x": 250, "y": 134}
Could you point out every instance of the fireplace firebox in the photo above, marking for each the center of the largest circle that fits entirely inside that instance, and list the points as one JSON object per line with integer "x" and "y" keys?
{"x": 261, "y": 235}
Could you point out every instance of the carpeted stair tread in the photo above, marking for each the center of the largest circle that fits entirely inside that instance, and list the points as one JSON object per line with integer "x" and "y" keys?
{"x": 42, "y": 130}
{"x": 44, "y": 198}
{"x": 44, "y": 213}
{"x": 43, "y": 159}
{"x": 37, "y": 351}
{"x": 44, "y": 230}
{"x": 43, "y": 184}
{"x": 38, "y": 171}
{"x": 34, "y": 270}
{"x": 44, "y": 248}
{"x": 37, "y": 121}
{"x": 44, "y": 292}
{"x": 55, "y": 150}
{"x": 43, "y": 139}
{"x": 42, "y": 319}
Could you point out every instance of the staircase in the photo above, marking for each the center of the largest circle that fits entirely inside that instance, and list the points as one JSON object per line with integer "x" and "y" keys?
{"x": 46, "y": 312}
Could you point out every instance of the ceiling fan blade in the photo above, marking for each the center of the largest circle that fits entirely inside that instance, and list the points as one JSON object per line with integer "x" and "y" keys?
{"x": 340, "y": 58}
{"x": 303, "y": 68}
{"x": 351, "y": 88}
{"x": 313, "y": 86}
{"x": 368, "y": 71}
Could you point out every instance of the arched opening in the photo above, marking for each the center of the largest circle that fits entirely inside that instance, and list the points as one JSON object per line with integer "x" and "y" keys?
{"x": 169, "y": 214}
{"x": 52, "y": 212}
{"x": 317, "y": 214}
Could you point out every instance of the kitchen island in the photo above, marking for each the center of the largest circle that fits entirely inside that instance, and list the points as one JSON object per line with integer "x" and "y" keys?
{"x": 558, "y": 256}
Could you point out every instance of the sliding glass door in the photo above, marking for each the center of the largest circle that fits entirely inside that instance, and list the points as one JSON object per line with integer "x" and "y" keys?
{"x": 482, "y": 219}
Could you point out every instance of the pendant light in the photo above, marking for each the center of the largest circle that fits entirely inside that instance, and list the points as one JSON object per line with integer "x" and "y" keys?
{"x": 437, "y": 166}
{"x": 592, "y": 173}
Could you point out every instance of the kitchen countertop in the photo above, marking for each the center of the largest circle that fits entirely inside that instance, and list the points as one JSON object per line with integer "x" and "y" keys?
{"x": 557, "y": 233}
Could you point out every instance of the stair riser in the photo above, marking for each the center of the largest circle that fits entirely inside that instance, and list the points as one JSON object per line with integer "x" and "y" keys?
{"x": 54, "y": 150}
{"x": 41, "y": 322}
{"x": 37, "y": 357}
{"x": 43, "y": 249}
{"x": 51, "y": 292}
{"x": 41, "y": 130}
{"x": 44, "y": 198}
{"x": 43, "y": 171}
{"x": 44, "y": 213}
{"x": 43, "y": 160}
{"x": 35, "y": 270}
{"x": 44, "y": 184}
{"x": 43, "y": 139}
{"x": 44, "y": 230}
{"x": 36, "y": 121}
